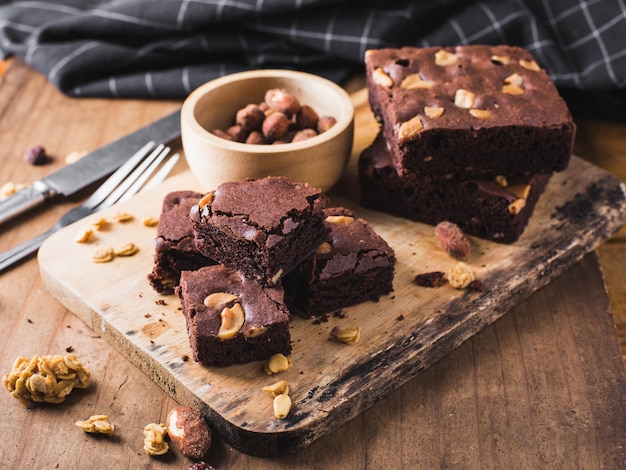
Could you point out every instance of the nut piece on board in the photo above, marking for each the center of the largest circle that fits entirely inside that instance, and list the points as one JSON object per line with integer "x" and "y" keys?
{"x": 189, "y": 431}
{"x": 453, "y": 240}
{"x": 97, "y": 424}
{"x": 154, "y": 439}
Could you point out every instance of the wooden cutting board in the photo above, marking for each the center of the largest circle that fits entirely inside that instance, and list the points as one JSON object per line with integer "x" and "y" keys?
{"x": 330, "y": 382}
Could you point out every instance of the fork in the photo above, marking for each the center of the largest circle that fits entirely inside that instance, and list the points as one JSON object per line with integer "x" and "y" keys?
{"x": 127, "y": 181}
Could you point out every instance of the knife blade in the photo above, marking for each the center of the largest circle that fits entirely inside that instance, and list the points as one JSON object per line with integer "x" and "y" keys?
{"x": 92, "y": 167}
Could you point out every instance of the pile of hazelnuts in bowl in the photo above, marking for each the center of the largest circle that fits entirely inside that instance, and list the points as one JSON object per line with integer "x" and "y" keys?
{"x": 279, "y": 119}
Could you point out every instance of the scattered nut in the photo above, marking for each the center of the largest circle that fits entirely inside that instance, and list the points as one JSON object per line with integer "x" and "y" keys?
{"x": 282, "y": 405}
{"x": 36, "y": 155}
{"x": 382, "y": 78}
{"x": 150, "y": 221}
{"x": 444, "y": 58}
{"x": 500, "y": 60}
{"x": 432, "y": 112}
{"x": 154, "y": 439}
{"x": 512, "y": 89}
{"x": 410, "y": 128}
{"x": 99, "y": 223}
{"x": 339, "y": 219}
{"x": 464, "y": 98}
{"x": 480, "y": 113}
{"x": 207, "y": 199}
{"x": 84, "y": 235}
{"x": 349, "y": 335}
{"x": 47, "y": 379}
{"x": 123, "y": 217}
{"x": 127, "y": 249}
{"x": 10, "y": 188}
{"x": 277, "y": 363}
{"x": 256, "y": 138}
{"x": 460, "y": 276}
{"x": 103, "y": 254}
{"x": 217, "y": 299}
{"x": 520, "y": 190}
{"x": 452, "y": 239}
{"x": 516, "y": 206}
{"x": 501, "y": 181}
{"x": 74, "y": 156}
{"x": 415, "y": 81}
{"x": 530, "y": 65}
{"x": 237, "y": 133}
{"x": 277, "y": 388}
{"x": 324, "y": 248}
{"x": 255, "y": 331}
{"x": 514, "y": 79}
{"x": 189, "y": 431}
{"x": 282, "y": 401}
{"x": 96, "y": 424}
{"x": 232, "y": 321}
{"x": 201, "y": 466}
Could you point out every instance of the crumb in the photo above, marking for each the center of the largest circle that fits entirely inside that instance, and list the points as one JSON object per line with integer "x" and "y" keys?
{"x": 185, "y": 358}
{"x": 29, "y": 320}
{"x": 160, "y": 302}
{"x": 476, "y": 286}
{"x": 400, "y": 317}
{"x": 432, "y": 279}
{"x": 69, "y": 349}
{"x": 321, "y": 319}
{"x": 147, "y": 315}
{"x": 339, "y": 314}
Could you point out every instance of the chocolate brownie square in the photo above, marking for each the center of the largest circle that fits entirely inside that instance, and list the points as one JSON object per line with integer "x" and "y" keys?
{"x": 262, "y": 227}
{"x": 354, "y": 264}
{"x": 174, "y": 249}
{"x": 496, "y": 209}
{"x": 469, "y": 111}
{"x": 232, "y": 319}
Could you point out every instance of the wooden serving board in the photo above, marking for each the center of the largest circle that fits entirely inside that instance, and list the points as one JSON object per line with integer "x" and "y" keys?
{"x": 330, "y": 382}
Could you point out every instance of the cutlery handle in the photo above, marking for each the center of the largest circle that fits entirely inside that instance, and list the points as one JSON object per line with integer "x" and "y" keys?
{"x": 23, "y": 200}
{"x": 18, "y": 253}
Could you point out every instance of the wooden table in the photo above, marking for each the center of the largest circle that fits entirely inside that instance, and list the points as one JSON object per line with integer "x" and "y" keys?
{"x": 544, "y": 386}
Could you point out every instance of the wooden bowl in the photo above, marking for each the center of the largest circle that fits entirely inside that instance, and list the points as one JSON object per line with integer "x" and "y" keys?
{"x": 319, "y": 160}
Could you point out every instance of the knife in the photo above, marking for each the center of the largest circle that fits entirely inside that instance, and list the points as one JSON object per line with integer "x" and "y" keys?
{"x": 92, "y": 167}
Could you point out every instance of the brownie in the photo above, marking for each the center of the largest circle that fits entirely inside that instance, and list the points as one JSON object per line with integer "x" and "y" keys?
{"x": 500, "y": 113}
{"x": 174, "y": 249}
{"x": 212, "y": 293}
{"x": 261, "y": 227}
{"x": 496, "y": 209}
{"x": 354, "y": 264}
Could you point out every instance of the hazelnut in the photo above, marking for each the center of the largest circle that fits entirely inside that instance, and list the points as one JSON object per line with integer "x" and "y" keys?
{"x": 237, "y": 133}
{"x": 464, "y": 98}
{"x": 432, "y": 112}
{"x": 221, "y": 134}
{"x": 189, "y": 431}
{"x": 304, "y": 134}
{"x": 480, "y": 113}
{"x": 282, "y": 101}
{"x": 444, "y": 58}
{"x": 256, "y": 138}
{"x": 460, "y": 276}
{"x": 500, "y": 60}
{"x": 324, "y": 123}
{"x": 275, "y": 126}
{"x": 36, "y": 155}
{"x": 306, "y": 118}
{"x": 452, "y": 239}
{"x": 530, "y": 65}
{"x": 250, "y": 118}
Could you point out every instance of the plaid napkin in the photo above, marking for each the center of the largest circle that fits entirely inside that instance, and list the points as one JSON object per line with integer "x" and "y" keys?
{"x": 166, "y": 48}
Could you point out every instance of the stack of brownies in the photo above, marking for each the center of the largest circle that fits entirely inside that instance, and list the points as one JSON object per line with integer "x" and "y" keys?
{"x": 263, "y": 248}
{"x": 469, "y": 134}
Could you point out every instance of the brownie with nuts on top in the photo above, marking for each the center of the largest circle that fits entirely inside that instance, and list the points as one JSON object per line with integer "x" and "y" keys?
{"x": 174, "y": 248}
{"x": 496, "y": 209}
{"x": 468, "y": 111}
{"x": 353, "y": 265}
{"x": 263, "y": 228}
{"x": 232, "y": 319}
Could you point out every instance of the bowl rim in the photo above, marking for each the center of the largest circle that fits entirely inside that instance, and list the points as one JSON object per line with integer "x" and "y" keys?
{"x": 189, "y": 121}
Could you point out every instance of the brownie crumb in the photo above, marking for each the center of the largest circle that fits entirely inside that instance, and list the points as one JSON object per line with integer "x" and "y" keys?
{"x": 432, "y": 279}
{"x": 160, "y": 302}
{"x": 476, "y": 286}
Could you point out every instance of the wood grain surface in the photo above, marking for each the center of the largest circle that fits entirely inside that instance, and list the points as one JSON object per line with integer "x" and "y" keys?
{"x": 542, "y": 387}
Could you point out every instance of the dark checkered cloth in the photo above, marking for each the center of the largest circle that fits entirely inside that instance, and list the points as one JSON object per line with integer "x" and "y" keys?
{"x": 166, "y": 48}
